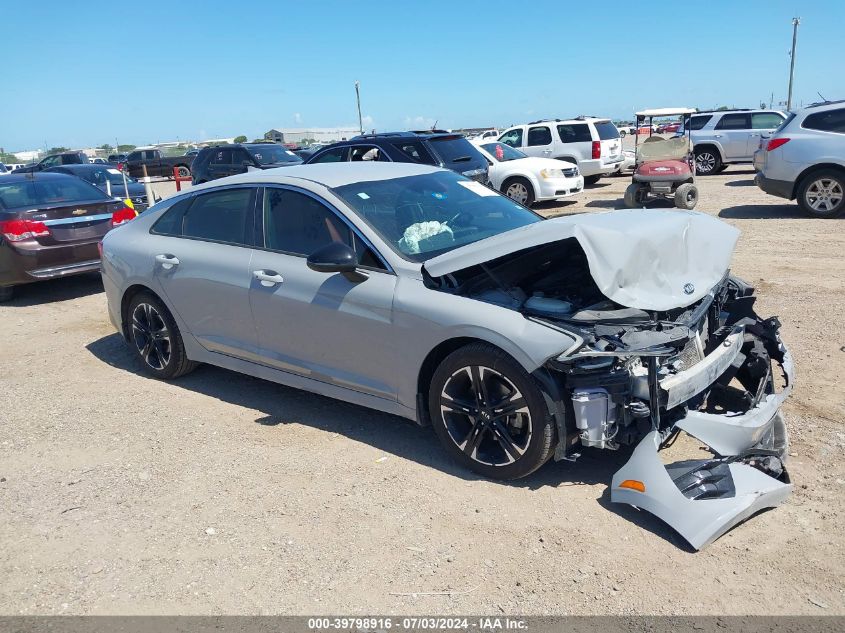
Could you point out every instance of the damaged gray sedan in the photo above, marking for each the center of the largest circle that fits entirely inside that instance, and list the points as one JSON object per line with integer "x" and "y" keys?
{"x": 418, "y": 292}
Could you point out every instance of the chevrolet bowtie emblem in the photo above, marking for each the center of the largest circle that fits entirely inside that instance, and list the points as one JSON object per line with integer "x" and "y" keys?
{"x": 79, "y": 211}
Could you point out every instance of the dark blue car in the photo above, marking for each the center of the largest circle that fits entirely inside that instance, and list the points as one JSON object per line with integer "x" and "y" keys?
{"x": 98, "y": 175}
{"x": 437, "y": 147}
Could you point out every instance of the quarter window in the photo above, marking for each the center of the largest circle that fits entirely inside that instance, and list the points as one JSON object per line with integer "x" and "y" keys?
{"x": 734, "y": 122}
{"x": 765, "y": 120}
{"x": 574, "y": 133}
{"x": 698, "y": 122}
{"x": 830, "y": 121}
{"x": 221, "y": 216}
{"x": 512, "y": 137}
{"x": 539, "y": 136}
{"x": 415, "y": 151}
{"x": 221, "y": 157}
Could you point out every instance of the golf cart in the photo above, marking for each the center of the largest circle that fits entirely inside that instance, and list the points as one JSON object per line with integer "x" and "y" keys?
{"x": 664, "y": 167}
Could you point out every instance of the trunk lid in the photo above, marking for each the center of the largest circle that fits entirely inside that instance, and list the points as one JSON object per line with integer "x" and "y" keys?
{"x": 640, "y": 258}
{"x": 74, "y": 222}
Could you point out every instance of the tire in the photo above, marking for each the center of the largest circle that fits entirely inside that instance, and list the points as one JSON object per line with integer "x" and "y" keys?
{"x": 822, "y": 193}
{"x": 632, "y": 197}
{"x": 184, "y": 172}
{"x": 707, "y": 161}
{"x": 520, "y": 190}
{"x": 467, "y": 398}
{"x": 686, "y": 196}
{"x": 6, "y": 292}
{"x": 591, "y": 180}
{"x": 165, "y": 358}
{"x": 622, "y": 133}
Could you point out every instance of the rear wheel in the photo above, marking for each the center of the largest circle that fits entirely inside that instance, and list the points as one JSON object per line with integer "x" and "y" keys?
{"x": 183, "y": 171}
{"x": 519, "y": 189}
{"x": 822, "y": 194}
{"x": 591, "y": 180}
{"x": 707, "y": 161}
{"x": 155, "y": 338}
{"x": 489, "y": 413}
{"x": 636, "y": 195}
{"x": 686, "y": 196}
{"x": 6, "y": 292}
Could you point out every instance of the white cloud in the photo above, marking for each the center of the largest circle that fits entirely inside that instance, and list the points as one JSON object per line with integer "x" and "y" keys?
{"x": 419, "y": 122}
{"x": 367, "y": 121}
{"x": 297, "y": 118}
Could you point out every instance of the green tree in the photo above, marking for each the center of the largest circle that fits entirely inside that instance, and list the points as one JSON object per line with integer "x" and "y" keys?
{"x": 9, "y": 158}
{"x": 240, "y": 139}
{"x": 125, "y": 148}
{"x": 105, "y": 147}
{"x": 57, "y": 150}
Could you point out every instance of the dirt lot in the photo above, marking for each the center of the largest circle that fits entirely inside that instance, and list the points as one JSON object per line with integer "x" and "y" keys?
{"x": 225, "y": 494}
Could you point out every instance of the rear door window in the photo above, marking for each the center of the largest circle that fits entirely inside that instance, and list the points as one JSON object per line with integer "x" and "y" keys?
{"x": 221, "y": 216}
{"x": 336, "y": 155}
{"x": 830, "y": 121}
{"x": 416, "y": 151}
{"x": 765, "y": 120}
{"x": 221, "y": 157}
{"x": 734, "y": 122}
{"x": 512, "y": 137}
{"x": 539, "y": 136}
{"x": 366, "y": 153}
{"x": 574, "y": 133}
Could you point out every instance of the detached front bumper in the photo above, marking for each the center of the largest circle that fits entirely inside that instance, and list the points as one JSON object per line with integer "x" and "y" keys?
{"x": 703, "y": 499}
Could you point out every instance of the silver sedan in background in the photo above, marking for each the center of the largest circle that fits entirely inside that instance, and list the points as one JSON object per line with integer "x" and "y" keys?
{"x": 418, "y": 292}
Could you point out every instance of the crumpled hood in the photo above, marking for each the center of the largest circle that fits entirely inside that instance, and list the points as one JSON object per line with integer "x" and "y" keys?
{"x": 639, "y": 258}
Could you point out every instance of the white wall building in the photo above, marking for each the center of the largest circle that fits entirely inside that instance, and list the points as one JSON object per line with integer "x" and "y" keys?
{"x": 319, "y": 134}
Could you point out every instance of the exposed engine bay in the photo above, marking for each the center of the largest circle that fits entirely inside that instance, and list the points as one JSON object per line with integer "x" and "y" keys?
{"x": 712, "y": 368}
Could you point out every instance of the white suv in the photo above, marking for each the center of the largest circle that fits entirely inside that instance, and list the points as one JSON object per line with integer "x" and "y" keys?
{"x": 805, "y": 159}
{"x": 728, "y": 137}
{"x": 591, "y": 143}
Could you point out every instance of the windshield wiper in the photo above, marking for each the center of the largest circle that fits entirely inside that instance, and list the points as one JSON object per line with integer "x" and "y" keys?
{"x": 461, "y": 159}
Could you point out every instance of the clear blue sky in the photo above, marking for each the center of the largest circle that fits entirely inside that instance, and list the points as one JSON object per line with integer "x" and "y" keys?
{"x": 87, "y": 73}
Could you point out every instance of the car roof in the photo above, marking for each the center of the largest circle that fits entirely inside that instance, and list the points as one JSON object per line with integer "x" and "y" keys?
{"x": 408, "y": 135}
{"x": 38, "y": 175}
{"x": 327, "y": 174}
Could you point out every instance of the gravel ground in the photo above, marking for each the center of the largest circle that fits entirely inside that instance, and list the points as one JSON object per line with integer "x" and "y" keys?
{"x": 221, "y": 493}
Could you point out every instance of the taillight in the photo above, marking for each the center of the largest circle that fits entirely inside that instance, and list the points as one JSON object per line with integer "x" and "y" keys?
{"x": 775, "y": 143}
{"x": 122, "y": 216}
{"x": 120, "y": 166}
{"x": 596, "y": 149}
{"x": 20, "y": 230}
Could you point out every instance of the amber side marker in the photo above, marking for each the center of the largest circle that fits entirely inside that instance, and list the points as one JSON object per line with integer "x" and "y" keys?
{"x": 633, "y": 484}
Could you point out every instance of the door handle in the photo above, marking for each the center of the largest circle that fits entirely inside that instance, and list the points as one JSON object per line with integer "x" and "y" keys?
{"x": 717, "y": 136}
{"x": 167, "y": 261}
{"x": 268, "y": 278}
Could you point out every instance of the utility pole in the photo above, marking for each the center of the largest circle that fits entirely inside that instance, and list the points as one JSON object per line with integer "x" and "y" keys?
{"x": 795, "y": 23}
{"x": 358, "y": 98}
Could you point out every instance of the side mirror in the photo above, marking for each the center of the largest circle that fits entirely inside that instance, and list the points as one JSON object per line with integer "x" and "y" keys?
{"x": 336, "y": 258}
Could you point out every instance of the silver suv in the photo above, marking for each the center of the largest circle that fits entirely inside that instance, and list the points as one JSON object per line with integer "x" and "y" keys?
{"x": 726, "y": 137}
{"x": 805, "y": 159}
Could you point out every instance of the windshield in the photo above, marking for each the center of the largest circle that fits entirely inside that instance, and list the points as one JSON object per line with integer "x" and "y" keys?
{"x": 503, "y": 153}
{"x": 422, "y": 216}
{"x": 606, "y": 130}
{"x": 55, "y": 191}
{"x": 271, "y": 154}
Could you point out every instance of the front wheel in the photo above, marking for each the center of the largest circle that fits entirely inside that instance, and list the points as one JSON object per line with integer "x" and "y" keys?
{"x": 686, "y": 196}
{"x": 183, "y": 171}
{"x": 155, "y": 338}
{"x": 519, "y": 189}
{"x": 489, "y": 413}
{"x": 822, "y": 194}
